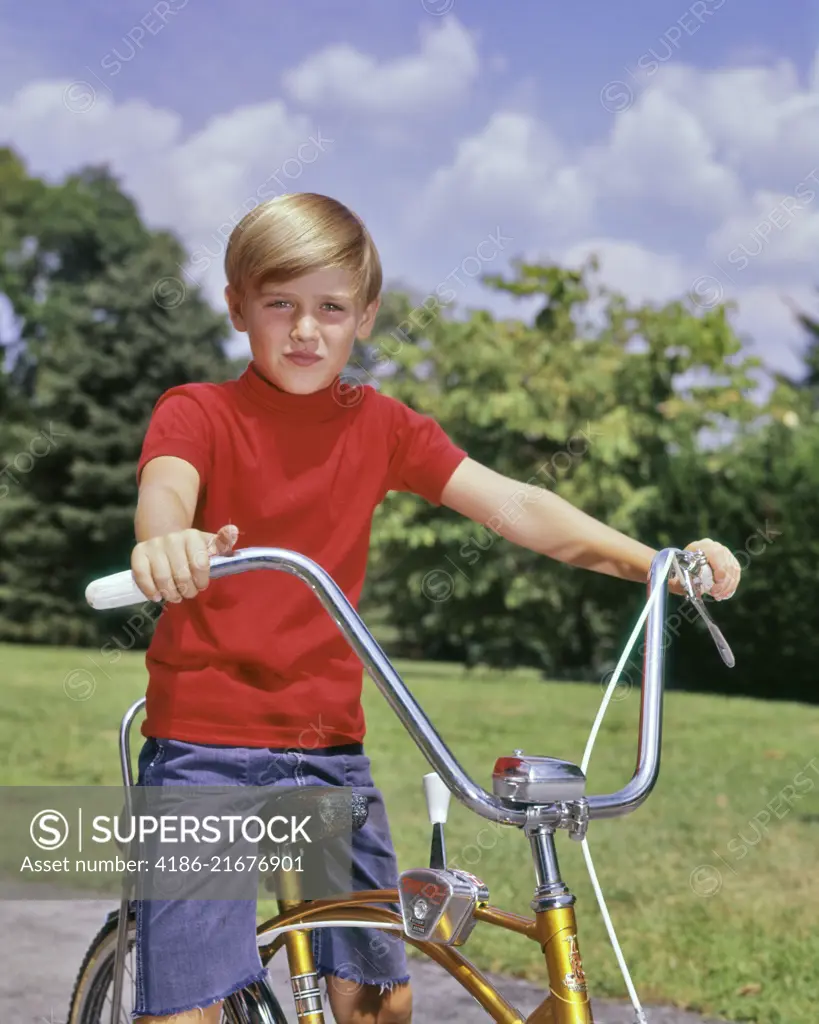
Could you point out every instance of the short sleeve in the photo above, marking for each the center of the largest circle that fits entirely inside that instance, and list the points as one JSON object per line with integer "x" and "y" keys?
{"x": 179, "y": 426}
{"x": 422, "y": 457}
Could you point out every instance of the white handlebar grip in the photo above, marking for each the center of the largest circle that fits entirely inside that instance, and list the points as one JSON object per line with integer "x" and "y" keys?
{"x": 116, "y": 591}
{"x": 437, "y": 797}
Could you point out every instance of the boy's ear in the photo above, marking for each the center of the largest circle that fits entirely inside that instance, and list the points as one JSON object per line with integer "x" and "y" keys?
{"x": 234, "y": 306}
{"x": 365, "y": 327}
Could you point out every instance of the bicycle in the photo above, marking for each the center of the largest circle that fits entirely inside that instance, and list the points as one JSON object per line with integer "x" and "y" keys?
{"x": 439, "y": 906}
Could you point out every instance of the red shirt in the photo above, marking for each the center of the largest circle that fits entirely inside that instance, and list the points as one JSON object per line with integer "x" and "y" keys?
{"x": 254, "y": 660}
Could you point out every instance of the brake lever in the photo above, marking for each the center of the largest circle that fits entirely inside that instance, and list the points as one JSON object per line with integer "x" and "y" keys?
{"x": 688, "y": 568}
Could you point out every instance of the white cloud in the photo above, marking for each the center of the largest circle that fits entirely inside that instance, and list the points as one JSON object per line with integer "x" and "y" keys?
{"x": 341, "y": 77}
{"x": 766, "y": 317}
{"x": 759, "y": 120}
{"x": 199, "y": 186}
{"x": 695, "y": 141}
{"x": 775, "y": 231}
{"x": 60, "y": 125}
{"x": 252, "y": 153}
{"x": 513, "y": 169}
{"x": 727, "y": 146}
{"x": 632, "y": 269}
{"x": 659, "y": 151}
{"x": 703, "y": 141}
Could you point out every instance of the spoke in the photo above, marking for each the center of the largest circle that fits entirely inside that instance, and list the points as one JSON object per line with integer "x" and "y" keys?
{"x": 125, "y": 1015}
{"x": 127, "y": 994}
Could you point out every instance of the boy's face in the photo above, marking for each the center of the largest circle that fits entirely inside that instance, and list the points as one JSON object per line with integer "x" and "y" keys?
{"x": 301, "y": 332}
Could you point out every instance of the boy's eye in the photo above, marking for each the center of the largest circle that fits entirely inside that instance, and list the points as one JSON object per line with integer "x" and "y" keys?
{"x": 333, "y": 307}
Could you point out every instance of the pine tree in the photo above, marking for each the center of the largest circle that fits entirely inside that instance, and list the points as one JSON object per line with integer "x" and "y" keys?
{"x": 811, "y": 326}
{"x": 106, "y": 325}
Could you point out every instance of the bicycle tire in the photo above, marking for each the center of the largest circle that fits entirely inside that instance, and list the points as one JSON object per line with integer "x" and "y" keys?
{"x": 255, "y": 1004}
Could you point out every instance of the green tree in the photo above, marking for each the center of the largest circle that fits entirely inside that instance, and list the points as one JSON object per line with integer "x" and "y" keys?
{"x": 762, "y": 499}
{"x": 597, "y": 399}
{"x": 371, "y": 360}
{"x": 105, "y": 326}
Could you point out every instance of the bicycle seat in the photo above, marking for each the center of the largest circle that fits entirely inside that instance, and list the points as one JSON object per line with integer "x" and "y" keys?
{"x": 333, "y": 811}
{"x": 527, "y": 780}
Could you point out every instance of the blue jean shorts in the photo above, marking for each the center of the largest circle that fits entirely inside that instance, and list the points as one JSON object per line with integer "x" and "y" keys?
{"x": 192, "y": 953}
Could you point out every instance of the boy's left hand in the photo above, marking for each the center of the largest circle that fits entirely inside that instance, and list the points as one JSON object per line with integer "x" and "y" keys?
{"x": 724, "y": 566}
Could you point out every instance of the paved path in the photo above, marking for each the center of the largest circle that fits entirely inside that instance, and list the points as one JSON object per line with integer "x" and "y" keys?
{"x": 42, "y": 944}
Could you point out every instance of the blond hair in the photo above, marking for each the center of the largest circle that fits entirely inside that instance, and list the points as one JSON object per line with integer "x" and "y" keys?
{"x": 297, "y": 234}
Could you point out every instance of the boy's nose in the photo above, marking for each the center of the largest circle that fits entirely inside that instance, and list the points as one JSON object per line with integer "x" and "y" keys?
{"x": 306, "y": 329}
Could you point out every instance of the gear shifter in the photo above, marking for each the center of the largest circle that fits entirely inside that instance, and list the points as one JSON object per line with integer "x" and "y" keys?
{"x": 438, "y": 905}
{"x": 437, "y": 796}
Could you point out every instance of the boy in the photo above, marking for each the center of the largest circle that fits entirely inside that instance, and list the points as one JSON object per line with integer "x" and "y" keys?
{"x": 250, "y": 681}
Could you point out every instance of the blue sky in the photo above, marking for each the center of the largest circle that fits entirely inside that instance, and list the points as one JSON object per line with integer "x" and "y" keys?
{"x": 678, "y": 141}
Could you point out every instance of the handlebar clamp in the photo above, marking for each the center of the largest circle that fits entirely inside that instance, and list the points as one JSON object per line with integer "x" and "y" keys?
{"x": 573, "y": 816}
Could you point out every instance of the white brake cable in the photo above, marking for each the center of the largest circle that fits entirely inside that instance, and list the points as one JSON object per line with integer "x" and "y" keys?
{"x": 598, "y": 892}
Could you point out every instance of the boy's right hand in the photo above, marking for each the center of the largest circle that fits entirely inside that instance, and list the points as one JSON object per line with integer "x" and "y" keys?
{"x": 177, "y": 565}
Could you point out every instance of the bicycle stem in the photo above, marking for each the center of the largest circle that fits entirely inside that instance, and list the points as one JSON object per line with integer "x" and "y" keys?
{"x": 419, "y": 727}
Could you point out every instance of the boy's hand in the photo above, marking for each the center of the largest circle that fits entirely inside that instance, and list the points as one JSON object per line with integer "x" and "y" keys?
{"x": 177, "y": 565}
{"x": 724, "y": 566}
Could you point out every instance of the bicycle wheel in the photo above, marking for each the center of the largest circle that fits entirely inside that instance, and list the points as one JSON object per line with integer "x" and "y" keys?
{"x": 93, "y": 989}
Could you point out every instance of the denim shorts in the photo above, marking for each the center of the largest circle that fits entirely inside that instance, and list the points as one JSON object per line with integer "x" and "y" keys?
{"x": 192, "y": 953}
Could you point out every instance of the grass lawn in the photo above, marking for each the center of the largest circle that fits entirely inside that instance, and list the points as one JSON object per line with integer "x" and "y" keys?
{"x": 712, "y": 885}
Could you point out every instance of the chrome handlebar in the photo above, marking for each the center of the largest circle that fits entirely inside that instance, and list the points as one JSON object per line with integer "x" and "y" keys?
{"x": 423, "y": 733}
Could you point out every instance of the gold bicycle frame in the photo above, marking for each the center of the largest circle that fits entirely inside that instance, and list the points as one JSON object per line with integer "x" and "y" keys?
{"x": 554, "y": 930}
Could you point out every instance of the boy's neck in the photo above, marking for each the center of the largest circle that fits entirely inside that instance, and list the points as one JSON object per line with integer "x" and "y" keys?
{"x": 322, "y": 404}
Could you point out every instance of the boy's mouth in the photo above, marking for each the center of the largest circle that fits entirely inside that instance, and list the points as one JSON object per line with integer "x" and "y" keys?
{"x": 303, "y": 358}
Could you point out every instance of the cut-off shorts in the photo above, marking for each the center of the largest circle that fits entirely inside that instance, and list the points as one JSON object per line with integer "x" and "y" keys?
{"x": 193, "y": 953}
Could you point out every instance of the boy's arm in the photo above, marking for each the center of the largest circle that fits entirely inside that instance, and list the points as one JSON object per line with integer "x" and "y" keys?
{"x": 536, "y": 519}
{"x": 172, "y": 560}
{"x": 168, "y": 493}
